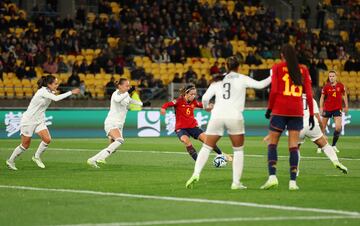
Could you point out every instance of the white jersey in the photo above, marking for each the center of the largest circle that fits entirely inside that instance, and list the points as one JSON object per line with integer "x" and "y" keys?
{"x": 230, "y": 95}
{"x": 35, "y": 113}
{"x": 119, "y": 107}
{"x": 306, "y": 110}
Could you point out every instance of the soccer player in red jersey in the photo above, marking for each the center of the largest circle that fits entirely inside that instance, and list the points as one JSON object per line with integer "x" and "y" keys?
{"x": 186, "y": 124}
{"x": 331, "y": 98}
{"x": 289, "y": 81}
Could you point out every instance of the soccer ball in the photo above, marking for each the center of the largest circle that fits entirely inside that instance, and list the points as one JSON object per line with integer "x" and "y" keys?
{"x": 219, "y": 161}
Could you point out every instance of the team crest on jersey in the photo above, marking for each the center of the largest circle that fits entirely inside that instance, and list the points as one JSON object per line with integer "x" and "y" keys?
{"x": 192, "y": 105}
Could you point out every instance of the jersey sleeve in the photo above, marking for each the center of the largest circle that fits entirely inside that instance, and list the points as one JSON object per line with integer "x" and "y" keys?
{"x": 136, "y": 102}
{"x": 308, "y": 91}
{"x": 343, "y": 89}
{"x": 199, "y": 104}
{"x": 274, "y": 88}
{"x": 118, "y": 97}
{"x": 54, "y": 97}
{"x": 252, "y": 83}
{"x": 169, "y": 104}
{"x": 210, "y": 92}
{"x": 323, "y": 90}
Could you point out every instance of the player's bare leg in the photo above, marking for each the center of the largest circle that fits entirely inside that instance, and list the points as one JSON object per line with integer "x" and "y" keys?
{"x": 238, "y": 161}
{"x": 202, "y": 158}
{"x": 273, "y": 139}
{"x": 189, "y": 147}
{"x": 25, "y": 144}
{"x": 45, "y": 141}
{"x": 338, "y": 122}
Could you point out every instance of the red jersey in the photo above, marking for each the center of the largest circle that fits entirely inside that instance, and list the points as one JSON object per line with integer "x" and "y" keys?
{"x": 184, "y": 112}
{"x": 333, "y": 96}
{"x": 286, "y": 97}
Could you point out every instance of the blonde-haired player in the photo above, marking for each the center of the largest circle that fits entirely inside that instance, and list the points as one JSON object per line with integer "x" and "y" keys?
{"x": 227, "y": 114}
{"x": 115, "y": 120}
{"x": 33, "y": 119}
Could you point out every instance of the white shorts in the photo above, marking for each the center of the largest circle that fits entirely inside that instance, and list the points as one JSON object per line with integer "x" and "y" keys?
{"x": 28, "y": 130}
{"x": 313, "y": 135}
{"x": 109, "y": 126}
{"x": 233, "y": 126}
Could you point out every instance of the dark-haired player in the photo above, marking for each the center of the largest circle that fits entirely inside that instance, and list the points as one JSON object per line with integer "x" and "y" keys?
{"x": 186, "y": 125}
{"x": 230, "y": 94}
{"x": 289, "y": 81}
{"x": 33, "y": 119}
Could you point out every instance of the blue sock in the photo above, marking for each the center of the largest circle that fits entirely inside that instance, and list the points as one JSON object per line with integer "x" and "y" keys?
{"x": 192, "y": 152}
{"x": 217, "y": 150}
{"x": 293, "y": 160}
{"x": 272, "y": 158}
{"x": 336, "y": 137}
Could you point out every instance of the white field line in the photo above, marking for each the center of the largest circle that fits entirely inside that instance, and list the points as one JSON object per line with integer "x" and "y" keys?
{"x": 172, "y": 152}
{"x": 217, "y": 220}
{"x": 191, "y": 200}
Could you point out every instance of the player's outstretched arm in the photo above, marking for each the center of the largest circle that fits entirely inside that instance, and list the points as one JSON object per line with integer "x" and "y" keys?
{"x": 252, "y": 83}
{"x": 54, "y": 97}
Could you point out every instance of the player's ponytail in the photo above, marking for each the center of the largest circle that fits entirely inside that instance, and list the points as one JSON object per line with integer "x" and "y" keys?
{"x": 183, "y": 91}
{"x": 292, "y": 64}
{"x": 45, "y": 80}
{"x": 232, "y": 63}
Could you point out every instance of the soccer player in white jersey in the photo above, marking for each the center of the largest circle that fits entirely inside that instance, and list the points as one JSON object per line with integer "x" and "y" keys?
{"x": 317, "y": 136}
{"x": 227, "y": 114}
{"x": 33, "y": 119}
{"x": 114, "y": 121}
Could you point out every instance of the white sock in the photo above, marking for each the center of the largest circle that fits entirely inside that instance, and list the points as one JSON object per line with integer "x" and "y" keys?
{"x": 201, "y": 159}
{"x": 103, "y": 154}
{"x": 18, "y": 151}
{"x": 238, "y": 163}
{"x": 330, "y": 153}
{"x": 42, "y": 147}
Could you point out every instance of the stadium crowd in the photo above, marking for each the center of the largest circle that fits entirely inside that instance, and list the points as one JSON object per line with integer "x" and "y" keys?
{"x": 165, "y": 31}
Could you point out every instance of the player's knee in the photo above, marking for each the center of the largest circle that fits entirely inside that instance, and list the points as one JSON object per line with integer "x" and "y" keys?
{"x": 185, "y": 140}
{"x": 47, "y": 140}
{"x": 25, "y": 144}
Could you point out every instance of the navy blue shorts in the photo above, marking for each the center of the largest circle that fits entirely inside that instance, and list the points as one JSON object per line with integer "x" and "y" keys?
{"x": 190, "y": 132}
{"x": 330, "y": 114}
{"x": 280, "y": 123}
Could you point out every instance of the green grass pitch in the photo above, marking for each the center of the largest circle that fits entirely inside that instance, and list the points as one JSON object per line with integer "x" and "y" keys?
{"x": 144, "y": 184}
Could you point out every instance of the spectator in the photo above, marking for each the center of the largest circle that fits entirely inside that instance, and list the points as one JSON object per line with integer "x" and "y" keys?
{"x": 321, "y": 65}
{"x": 110, "y": 87}
{"x": 50, "y": 66}
{"x": 20, "y": 71}
{"x": 350, "y": 65}
{"x": 83, "y": 68}
{"x": 251, "y": 59}
{"x": 190, "y": 75}
{"x": 177, "y": 78}
{"x": 73, "y": 80}
{"x": 62, "y": 66}
{"x": 222, "y": 69}
{"x": 31, "y": 73}
{"x": 164, "y": 58}
{"x": 94, "y": 67}
{"x": 109, "y": 69}
{"x": 215, "y": 68}
{"x": 202, "y": 83}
